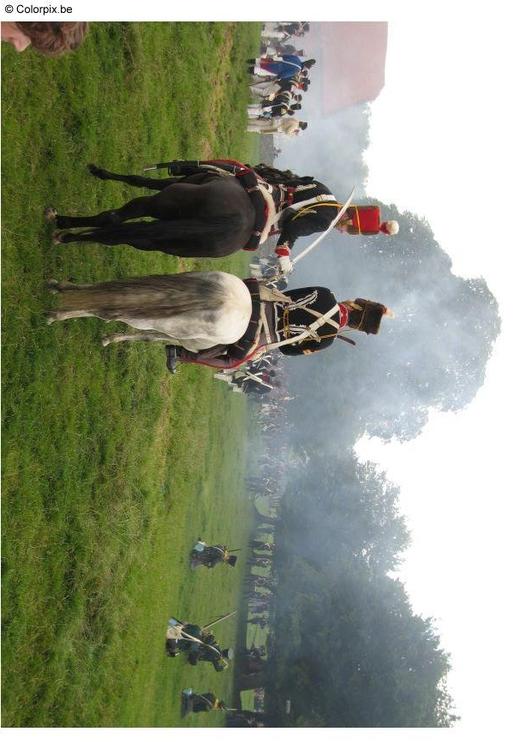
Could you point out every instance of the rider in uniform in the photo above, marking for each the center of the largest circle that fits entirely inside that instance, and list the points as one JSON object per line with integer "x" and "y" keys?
{"x": 299, "y": 321}
{"x": 289, "y": 205}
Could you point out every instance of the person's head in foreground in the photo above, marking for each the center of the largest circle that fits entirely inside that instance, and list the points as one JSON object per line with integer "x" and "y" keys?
{"x": 49, "y": 38}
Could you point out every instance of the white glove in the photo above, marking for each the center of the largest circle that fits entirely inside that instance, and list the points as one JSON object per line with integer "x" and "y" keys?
{"x": 285, "y": 264}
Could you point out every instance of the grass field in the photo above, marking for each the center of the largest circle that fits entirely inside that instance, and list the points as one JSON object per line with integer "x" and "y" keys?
{"x": 111, "y": 466}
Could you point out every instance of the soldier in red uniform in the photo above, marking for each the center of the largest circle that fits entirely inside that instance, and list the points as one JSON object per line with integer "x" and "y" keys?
{"x": 366, "y": 220}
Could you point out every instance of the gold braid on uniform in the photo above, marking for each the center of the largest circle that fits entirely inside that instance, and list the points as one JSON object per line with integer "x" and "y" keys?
{"x": 310, "y": 209}
{"x": 358, "y": 228}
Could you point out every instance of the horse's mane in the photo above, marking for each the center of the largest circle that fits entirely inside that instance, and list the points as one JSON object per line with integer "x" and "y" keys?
{"x": 280, "y": 177}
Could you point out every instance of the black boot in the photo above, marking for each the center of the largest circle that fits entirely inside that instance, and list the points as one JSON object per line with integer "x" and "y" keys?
{"x": 172, "y": 357}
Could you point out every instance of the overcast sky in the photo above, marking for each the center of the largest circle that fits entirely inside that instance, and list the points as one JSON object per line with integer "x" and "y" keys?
{"x": 448, "y": 141}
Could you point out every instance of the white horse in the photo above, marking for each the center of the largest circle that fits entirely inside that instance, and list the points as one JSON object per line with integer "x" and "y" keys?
{"x": 193, "y": 310}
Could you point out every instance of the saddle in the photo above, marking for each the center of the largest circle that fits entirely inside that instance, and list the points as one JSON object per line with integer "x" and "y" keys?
{"x": 248, "y": 179}
{"x": 244, "y": 347}
{"x": 241, "y": 348}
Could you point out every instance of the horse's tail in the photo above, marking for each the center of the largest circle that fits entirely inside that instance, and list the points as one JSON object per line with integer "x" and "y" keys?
{"x": 145, "y": 296}
{"x": 210, "y": 237}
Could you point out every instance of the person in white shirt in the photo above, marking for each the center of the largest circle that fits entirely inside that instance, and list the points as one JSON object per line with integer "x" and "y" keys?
{"x": 283, "y": 125}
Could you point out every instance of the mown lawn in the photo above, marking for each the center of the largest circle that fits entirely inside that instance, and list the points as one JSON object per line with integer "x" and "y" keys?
{"x": 111, "y": 466}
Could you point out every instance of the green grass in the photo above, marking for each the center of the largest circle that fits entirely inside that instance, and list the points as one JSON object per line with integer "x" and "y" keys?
{"x": 111, "y": 467}
{"x": 247, "y": 700}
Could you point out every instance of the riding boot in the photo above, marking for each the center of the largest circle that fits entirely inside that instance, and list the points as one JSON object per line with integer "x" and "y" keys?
{"x": 173, "y": 357}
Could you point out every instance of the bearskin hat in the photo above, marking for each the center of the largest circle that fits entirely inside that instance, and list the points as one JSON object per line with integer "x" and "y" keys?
{"x": 365, "y": 315}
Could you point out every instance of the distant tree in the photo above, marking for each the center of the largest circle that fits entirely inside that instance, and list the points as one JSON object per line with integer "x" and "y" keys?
{"x": 365, "y": 660}
{"x": 338, "y": 504}
{"x": 433, "y": 355}
{"x": 348, "y": 650}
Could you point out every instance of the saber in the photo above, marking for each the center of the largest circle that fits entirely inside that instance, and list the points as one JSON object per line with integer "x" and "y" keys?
{"x": 219, "y": 619}
{"x": 313, "y": 244}
{"x": 188, "y": 637}
{"x": 160, "y": 165}
{"x": 200, "y": 165}
{"x": 255, "y": 377}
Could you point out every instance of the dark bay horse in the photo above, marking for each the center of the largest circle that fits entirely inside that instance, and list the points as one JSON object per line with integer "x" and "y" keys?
{"x": 199, "y": 215}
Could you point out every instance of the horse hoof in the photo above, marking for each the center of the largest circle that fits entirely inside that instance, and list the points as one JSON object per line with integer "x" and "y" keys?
{"x": 97, "y": 171}
{"x": 51, "y": 318}
{"x": 57, "y": 238}
{"x": 53, "y": 286}
{"x": 50, "y": 214}
{"x": 105, "y": 341}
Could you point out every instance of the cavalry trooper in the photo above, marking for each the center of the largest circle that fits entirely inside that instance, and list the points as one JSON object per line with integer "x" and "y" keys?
{"x": 285, "y": 205}
{"x": 299, "y": 321}
{"x": 305, "y": 206}
{"x": 211, "y": 555}
{"x": 197, "y": 642}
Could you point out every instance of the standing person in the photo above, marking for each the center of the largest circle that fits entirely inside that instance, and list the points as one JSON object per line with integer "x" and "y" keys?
{"x": 279, "y": 48}
{"x": 295, "y": 28}
{"x": 271, "y": 88}
{"x": 200, "y": 702}
{"x": 273, "y": 31}
{"x": 284, "y": 125}
{"x": 50, "y": 38}
{"x": 281, "y": 66}
{"x": 283, "y": 104}
{"x": 263, "y": 546}
{"x": 210, "y": 556}
{"x": 199, "y": 644}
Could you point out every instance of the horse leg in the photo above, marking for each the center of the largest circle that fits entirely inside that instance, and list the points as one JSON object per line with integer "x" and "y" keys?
{"x": 181, "y": 201}
{"x": 131, "y": 179}
{"x": 55, "y": 286}
{"x": 115, "y": 338}
{"x": 134, "y": 209}
{"x": 166, "y": 204}
{"x": 52, "y": 316}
